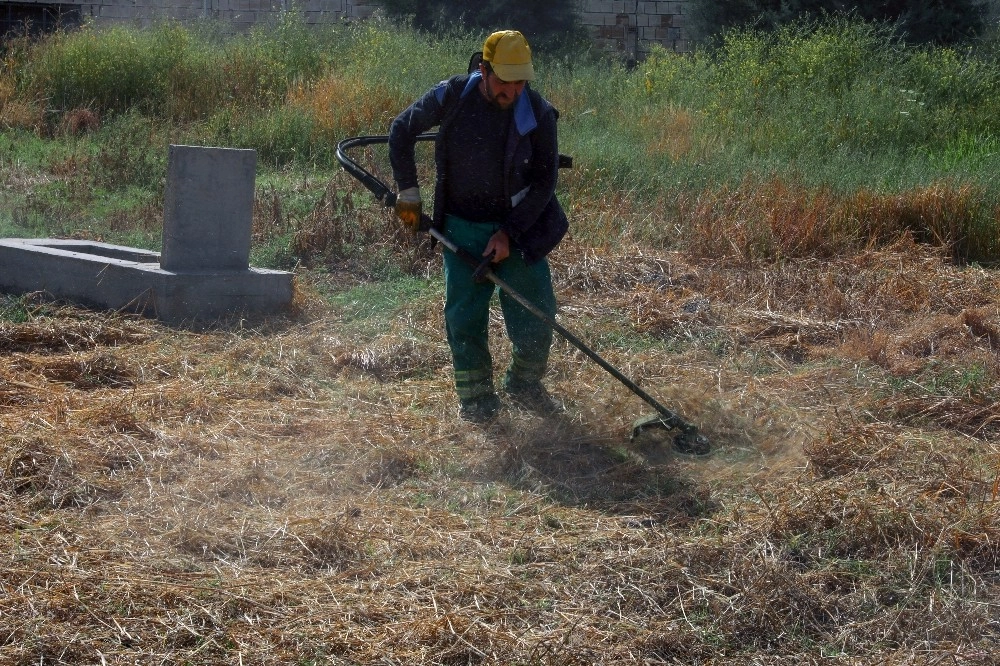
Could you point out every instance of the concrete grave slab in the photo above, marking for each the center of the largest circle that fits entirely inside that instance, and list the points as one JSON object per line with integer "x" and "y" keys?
{"x": 123, "y": 278}
{"x": 203, "y": 273}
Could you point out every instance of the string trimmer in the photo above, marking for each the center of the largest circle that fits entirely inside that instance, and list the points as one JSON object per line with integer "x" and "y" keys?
{"x": 687, "y": 440}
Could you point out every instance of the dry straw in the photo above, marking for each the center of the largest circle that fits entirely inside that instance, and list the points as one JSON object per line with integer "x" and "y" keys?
{"x": 301, "y": 491}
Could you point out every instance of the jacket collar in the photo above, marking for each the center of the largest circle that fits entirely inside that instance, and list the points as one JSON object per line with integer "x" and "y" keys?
{"x": 524, "y": 115}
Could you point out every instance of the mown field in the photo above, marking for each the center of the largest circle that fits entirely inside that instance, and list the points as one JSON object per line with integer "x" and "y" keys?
{"x": 789, "y": 239}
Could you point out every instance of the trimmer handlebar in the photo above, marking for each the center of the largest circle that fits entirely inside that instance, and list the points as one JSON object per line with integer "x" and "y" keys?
{"x": 379, "y": 189}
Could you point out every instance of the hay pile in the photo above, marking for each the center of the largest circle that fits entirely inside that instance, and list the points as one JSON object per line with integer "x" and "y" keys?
{"x": 302, "y": 491}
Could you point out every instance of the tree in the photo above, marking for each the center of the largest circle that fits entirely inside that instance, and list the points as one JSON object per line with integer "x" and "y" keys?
{"x": 545, "y": 24}
{"x": 917, "y": 21}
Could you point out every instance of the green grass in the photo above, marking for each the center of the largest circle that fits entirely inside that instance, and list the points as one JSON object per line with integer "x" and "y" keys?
{"x": 14, "y": 310}
{"x": 377, "y": 302}
{"x": 681, "y": 151}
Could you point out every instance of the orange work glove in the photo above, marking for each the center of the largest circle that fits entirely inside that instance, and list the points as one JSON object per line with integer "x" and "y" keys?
{"x": 409, "y": 208}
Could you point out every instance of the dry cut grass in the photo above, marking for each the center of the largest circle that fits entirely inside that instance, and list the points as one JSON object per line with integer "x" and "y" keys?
{"x": 302, "y": 492}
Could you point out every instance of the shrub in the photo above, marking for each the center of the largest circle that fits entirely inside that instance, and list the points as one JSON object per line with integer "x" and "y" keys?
{"x": 168, "y": 70}
{"x": 108, "y": 71}
{"x": 917, "y": 21}
{"x": 839, "y": 84}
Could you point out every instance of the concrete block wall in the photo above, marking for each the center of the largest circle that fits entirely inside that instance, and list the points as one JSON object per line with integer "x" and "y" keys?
{"x": 631, "y": 27}
{"x": 628, "y": 27}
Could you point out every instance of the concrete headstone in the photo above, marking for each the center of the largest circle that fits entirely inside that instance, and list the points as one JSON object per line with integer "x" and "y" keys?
{"x": 208, "y": 209}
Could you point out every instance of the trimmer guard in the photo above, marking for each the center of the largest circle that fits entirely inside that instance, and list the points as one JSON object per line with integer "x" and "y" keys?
{"x": 688, "y": 440}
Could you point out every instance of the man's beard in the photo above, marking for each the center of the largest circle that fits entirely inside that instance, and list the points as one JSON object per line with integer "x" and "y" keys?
{"x": 496, "y": 101}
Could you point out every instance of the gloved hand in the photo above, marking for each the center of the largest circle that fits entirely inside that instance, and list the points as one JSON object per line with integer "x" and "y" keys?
{"x": 409, "y": 208}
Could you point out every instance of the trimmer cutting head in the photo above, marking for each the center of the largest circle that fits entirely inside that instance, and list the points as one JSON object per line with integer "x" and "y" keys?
{"x": 688, "y": 440}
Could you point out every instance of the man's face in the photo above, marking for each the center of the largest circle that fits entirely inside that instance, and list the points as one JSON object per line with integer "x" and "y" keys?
{"x": 500, "y": 92}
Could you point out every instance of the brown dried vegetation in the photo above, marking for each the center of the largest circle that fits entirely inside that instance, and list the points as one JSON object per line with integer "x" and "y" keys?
{"x": 302, "y": 492}
{"x": 776, "y": 219}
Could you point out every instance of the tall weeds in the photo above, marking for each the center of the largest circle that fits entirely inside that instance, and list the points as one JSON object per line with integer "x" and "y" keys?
{"x": 834, "y": 112}
{"x": 812, "y": 88}
{"x": 777, "y": 139}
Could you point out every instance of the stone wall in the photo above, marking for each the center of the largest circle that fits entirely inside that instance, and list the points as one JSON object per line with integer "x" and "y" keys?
{"x": 631, "y": 27}
{"x": 628, "y": 27}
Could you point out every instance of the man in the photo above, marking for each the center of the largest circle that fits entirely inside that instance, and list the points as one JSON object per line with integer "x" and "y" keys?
{"x": 496, "y": 157}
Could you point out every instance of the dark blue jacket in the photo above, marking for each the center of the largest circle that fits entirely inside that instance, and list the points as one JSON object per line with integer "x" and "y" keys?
{"x": 534, "y": 220}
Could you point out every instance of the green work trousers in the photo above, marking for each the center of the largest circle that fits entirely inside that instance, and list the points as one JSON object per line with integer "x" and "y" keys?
{"x": 467, "y": 312}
